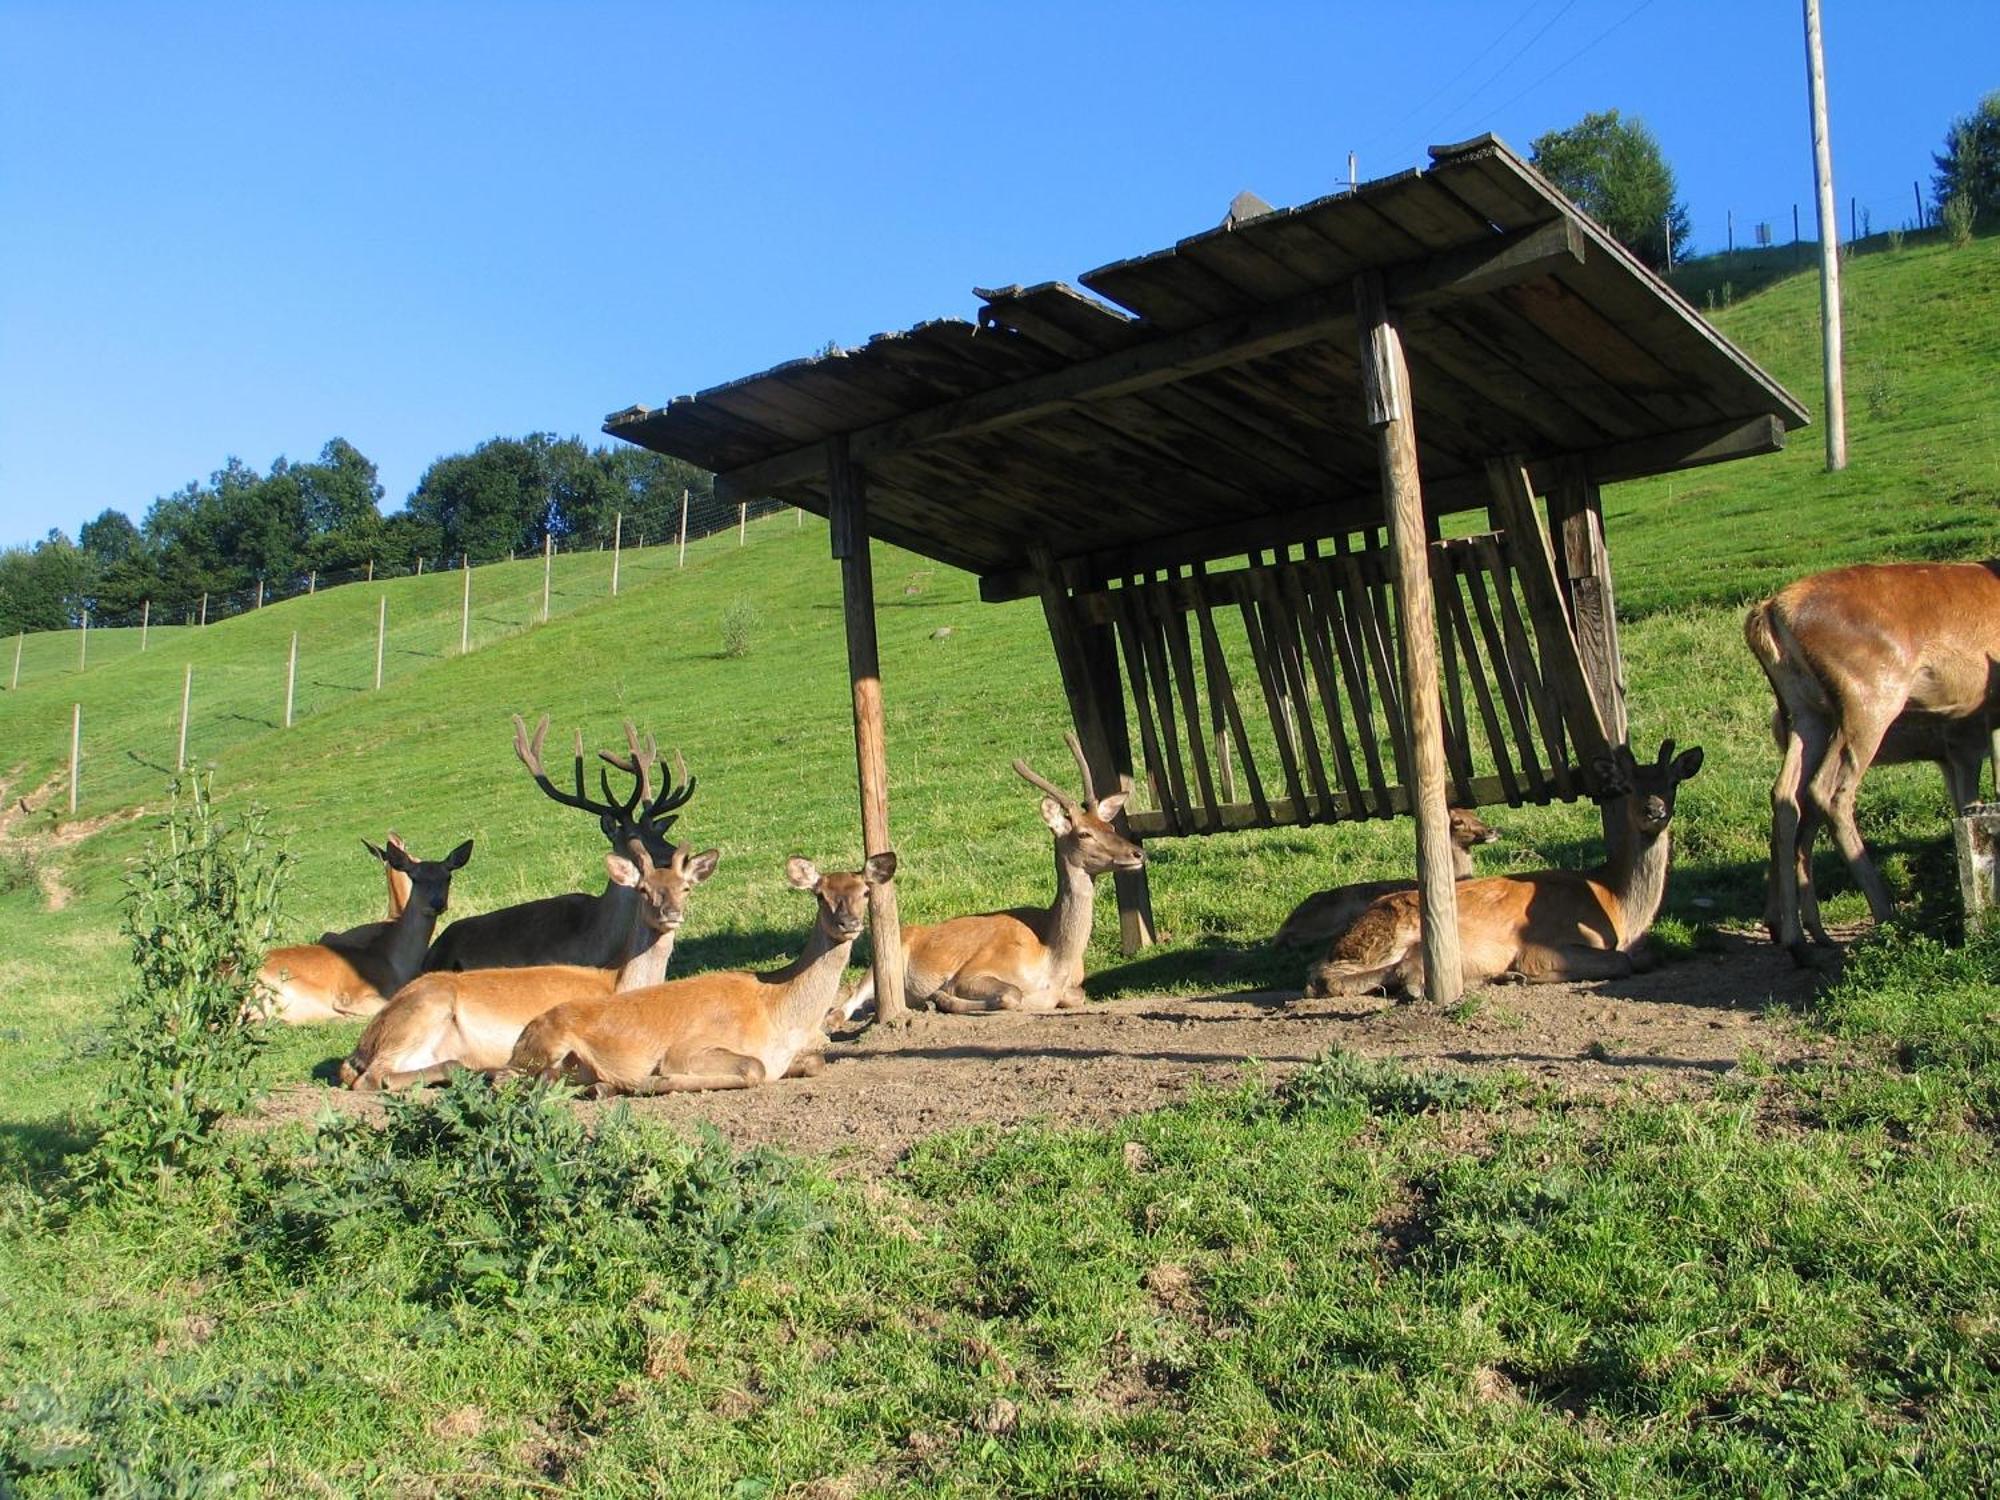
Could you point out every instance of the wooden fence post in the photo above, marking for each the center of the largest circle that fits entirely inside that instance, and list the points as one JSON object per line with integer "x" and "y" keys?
{"x": 187, "y": 691}
{"x": 617, "y": 548}
{"x": 420, "y": 567}
{"x": 371, "y": 570}
{"x": 145, "y": 622}
{"x": 548, "y": 553}
{"x": 465, "y": 610}
{"x": 312, "y": 583}
{"x": 19, "y": 641}
{"x": 381, "y": 635}
{"x": 291, "y": 677}
{"x": 75, "y": 750}
{"x": 204, "y": 609}
{"x": 260, "y": 593}
{"x": 742, "y": 522}
{"x": 83, "y": 643}
{"x": 684, "y": 529}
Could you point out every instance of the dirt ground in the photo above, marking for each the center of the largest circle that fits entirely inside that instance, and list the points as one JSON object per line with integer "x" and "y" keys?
{"x": 1666, "y": 1032}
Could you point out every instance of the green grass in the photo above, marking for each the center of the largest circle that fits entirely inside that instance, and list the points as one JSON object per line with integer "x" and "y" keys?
{"x": 1369, "y": 1283}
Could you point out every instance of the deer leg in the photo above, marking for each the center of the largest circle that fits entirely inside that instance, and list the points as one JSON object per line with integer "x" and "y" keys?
{"x": 1805, "y": 747}
{"x": 1569, "y": 963}
{"x": 806, "y": 1065}
{"x": 437, "y": 1072}
{"x": 978, "y": 995}
{"x": 1834, "y": 788}
{"x": 715, "y": 1068}
{"x": 1808, "y": 889}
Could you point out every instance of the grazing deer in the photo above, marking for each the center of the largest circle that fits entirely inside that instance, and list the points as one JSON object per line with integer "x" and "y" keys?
{"x": 316, "y": 982}
{"x": 1880, "y": 662}
{"x": 1029, "y": 958}
{"x": 574, "y": 928}
{"x": 1543, "y": 928}
{"x": 1325, "y": 915}
{"x": 727, "y": 1030}
{"x": 441, "y": 1022}
{"x": 399, "y": 896}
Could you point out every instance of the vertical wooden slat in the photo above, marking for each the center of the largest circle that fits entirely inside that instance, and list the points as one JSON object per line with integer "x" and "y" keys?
{"x": 1576, "y": 512}
{"x": 1457, "y": 732}
{"x": 1378, "y": 658}
{"x": 1268, "y": 679}
{"x": 1152, "y": 637}
{"x": 1281, "y": 635}
{"x": 1452, "y": 608}
{"x": 1173, "y": 625}
{"x": 1312, "y": 621}
{"x": 1536, "y": 780}
{"x": 1354, "y": 666}
{"x": 1547, "y": 713}
{"x": 1125, "y": 619}
{"x": 1225, "y": 690}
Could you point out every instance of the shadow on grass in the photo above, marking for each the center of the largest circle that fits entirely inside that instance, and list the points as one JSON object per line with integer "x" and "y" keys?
{"x": 151, "y": 765}
{"x": 760, "y": 948}
{"x": 32, "y": 1152}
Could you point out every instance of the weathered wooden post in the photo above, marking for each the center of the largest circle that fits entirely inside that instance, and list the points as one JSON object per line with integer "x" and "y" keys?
{"x": 291, "y": 677}
{"x": 465, "y": 609}
{"x": 371, "y": 570}
{"x": 260, "y": 593}
{"x": 1391, "y": 413}
{"x": 204, "y": 609}
{"x": 849, "y": 512}
{"x": 548, "y": 561}
{"x": 381, "y": 636}
{"x": 145, "y": 622}
{"x": 1829, "y": 249}
{"x": 684, "y": 529}
{"x": 20, "y": 640}
{"x": 1976, "y": 832}
{"x": 617, "y": 548}
{"x": 187, "y": 691}
{"x": 742, "y": 522}
{"x": 420, "y": 567}
{"x": 83, "y": 643}
{"x": 312, "y": 583}
{"x": 75, "y": 750}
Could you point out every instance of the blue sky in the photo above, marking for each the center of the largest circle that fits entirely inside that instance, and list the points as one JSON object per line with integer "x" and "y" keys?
{"x": 246, "y": 229}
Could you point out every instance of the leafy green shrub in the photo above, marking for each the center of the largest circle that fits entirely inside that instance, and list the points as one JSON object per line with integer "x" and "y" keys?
{"x": 502, "y": 1195}
{"x": 1957, "y": 219}
{"x": 1341, "y": 1080}
{"x": 20, "y": 867}
{"x": 739, "y": 624}
{"x": 200, "y": 909}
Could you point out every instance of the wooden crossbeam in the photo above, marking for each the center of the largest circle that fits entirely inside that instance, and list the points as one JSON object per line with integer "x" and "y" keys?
{"x": 1505, "y": 260}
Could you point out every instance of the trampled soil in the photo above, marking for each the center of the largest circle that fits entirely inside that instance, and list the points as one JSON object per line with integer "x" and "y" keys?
{"x": 1671, "y": 1031}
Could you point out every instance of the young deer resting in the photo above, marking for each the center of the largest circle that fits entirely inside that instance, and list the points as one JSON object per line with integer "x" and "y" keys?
{"x": 399, "y": 897}
{"x": 574, "y": 928}
{"x": 1878, "y": 663}
{"x": 315, "y": 982}
{"x": 1029, "y": 958}
{"x": 1548, "y": 927}
{"x": 1325, "y": 915}
{"x": 726, "y": 1030}
{"x": 441, "y": 1022}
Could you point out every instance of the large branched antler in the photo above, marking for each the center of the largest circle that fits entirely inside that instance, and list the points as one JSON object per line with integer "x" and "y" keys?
{"x": 644, "y": 809}
{"x": 1034, "y": 778}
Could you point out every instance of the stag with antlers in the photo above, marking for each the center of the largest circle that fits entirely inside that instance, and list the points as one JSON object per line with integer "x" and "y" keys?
{"x": 576, "y": 928}
{"x": 1028, "y": 958}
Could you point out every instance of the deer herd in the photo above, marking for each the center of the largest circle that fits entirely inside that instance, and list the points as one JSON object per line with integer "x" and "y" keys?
{"x": 1874, "y": 663}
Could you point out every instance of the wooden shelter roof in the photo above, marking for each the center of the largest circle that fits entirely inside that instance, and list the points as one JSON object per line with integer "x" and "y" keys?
{"x": 1224, "y": 410}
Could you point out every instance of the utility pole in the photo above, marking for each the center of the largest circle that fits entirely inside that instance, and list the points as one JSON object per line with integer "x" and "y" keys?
{"x": 1829, "y": 249}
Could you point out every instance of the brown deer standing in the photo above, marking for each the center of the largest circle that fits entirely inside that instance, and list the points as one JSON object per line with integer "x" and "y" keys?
{"x": 726, "y": 1030}
{"x": 399, "y": 896}
{"x": 1031, "y": 957}
{"x": 1881, "y": 662}
{"x": 441, "y": 1022}
{"x": 1543, "y": 928}
{"x": 1325, "y": 915}
{"x": 314, "y": 982}
{"x": 575, "y": 928}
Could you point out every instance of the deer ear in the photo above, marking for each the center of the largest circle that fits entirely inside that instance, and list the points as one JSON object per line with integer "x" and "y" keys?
{"x": 393, "y": 856}
{"x": 1110, "y": 807}
{"x": 1687, "y": 763}
{"x": 621, "y": 870}
{"x": 1056, "y": 816}
{"x": 801, "y": 874}
{"x": 880, "y": 869}
{"x": 457, "y": 858}
{"x": 703, "y": 865}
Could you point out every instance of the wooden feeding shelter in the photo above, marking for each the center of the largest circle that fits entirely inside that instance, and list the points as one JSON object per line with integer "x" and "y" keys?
{"x": 1242, "y": 495}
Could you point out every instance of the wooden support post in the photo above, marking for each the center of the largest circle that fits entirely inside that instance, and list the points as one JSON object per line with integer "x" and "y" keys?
{"x": 145, "y": 622}
{"x": 684, "y": 529}
{"x": 1576, "y": 518}
{"x": 187, "y": 692}
{"x": 849, "y": 509}
{"x": 1087, "y": 660}
{"x": 291, "y": 677}
{"x": 548, "y": 556}
{"x": 742, "y": 523}
{"x": 204, "y": 609}
{"x": 617, "y": 548}
{"x": 260, "y": 593}
{"x": 75, "y": 751}
{"x": 20, "y": 640}
{"x": 1392, "y": 415}
{"x": 381, "y": 637}
{"x": 312, "y": 583}
{"x": 83, "y": 643}
{"x": 371, "y": 570}
{"x": 465, "y": 611}
{"x": 420, "y": 567}
{"x": 1829, "y": 249}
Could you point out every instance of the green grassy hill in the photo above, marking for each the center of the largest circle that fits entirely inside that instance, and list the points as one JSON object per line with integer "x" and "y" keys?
{"x": 768, "y": 735}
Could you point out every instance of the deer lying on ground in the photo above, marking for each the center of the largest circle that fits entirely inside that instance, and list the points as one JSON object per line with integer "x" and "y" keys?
{"x": 727, "y": 1030}
{"x": 316, "y": 982}
{"x": 574, "y": 928}
{"x": 1029, "y": 958}
{"x": 1543, "y": 928}
{"x": 1877, "y": 663}
{"x": 1325, "y": 915}
{"x": 441, "y": 1022}
{"x": 399, "y": 896}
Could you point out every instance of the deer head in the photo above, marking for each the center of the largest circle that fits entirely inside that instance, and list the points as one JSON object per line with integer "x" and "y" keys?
{"x": 1469, "y": 829}
{"x": 430, "y": 879}
{"x": 663, "y": 888}
{"x": 1648, "y": 791}
{"x": 643, "y": 815}
{"x": 843, "y": 898}
{"x": 1084, "y": 835}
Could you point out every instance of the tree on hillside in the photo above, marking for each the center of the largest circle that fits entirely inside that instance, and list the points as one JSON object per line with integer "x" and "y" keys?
{"x": 1614, "y": 170}
{"x": 1971, "y": 161}
{"x": 110, "y": 538}
{"x": 42, "y": 588}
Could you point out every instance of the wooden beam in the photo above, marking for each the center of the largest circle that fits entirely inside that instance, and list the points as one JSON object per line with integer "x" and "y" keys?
{"x": 1385, "y": 379}
{"x": 1576, "y": 520}
{"x": 1232, "y": 339}
{"x": 1283, "y": 812}
{"x": 857, "y": 585}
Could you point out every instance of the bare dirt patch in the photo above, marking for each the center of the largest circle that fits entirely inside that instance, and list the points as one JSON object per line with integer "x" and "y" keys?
{"x": 1667, "y": 1033}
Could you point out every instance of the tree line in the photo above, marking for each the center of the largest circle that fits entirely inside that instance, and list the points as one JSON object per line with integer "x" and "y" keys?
{"x": 242, "y": 527}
